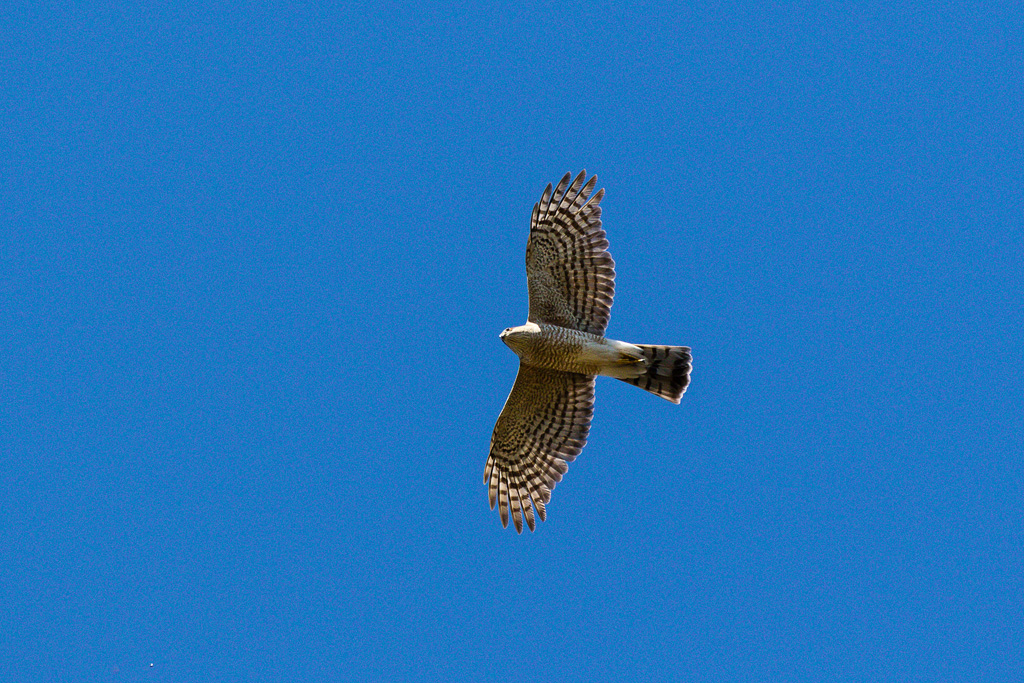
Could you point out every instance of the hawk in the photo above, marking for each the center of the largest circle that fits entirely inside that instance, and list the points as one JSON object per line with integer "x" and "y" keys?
{"x": 561, "y": 349}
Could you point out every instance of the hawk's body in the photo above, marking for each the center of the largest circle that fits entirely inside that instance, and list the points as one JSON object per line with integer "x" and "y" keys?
{"x": 546, "y": 418}
{"x": 560, "y": 348}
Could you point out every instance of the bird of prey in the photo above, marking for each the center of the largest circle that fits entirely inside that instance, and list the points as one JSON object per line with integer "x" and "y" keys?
{"x": 561, "y": 349}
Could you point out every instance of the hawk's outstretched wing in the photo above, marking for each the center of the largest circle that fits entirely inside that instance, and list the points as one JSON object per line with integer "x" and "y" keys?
{"x": 543, "y": 425}
{"x": 569, "y": 271}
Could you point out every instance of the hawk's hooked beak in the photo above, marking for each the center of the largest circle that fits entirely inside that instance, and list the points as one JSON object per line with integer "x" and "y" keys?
{"x": 506, "y": 337}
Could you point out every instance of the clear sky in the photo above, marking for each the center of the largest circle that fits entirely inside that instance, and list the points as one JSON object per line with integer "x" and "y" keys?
{"x": 254, "y": 261}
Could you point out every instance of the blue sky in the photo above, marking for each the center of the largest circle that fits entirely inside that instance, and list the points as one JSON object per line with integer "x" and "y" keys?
{"x": 255, "y": 260}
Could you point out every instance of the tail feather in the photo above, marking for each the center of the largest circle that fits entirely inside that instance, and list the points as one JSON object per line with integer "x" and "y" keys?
{"x": 667, "y": 373}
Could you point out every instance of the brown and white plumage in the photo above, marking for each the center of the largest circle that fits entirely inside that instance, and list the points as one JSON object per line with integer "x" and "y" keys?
{"x": 543, "y": 425}
{"x": 546, "y": 419}
{"x": 570, "y": 274}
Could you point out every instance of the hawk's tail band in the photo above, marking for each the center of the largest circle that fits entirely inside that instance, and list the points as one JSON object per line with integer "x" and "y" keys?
{"x": 668, "y": 371}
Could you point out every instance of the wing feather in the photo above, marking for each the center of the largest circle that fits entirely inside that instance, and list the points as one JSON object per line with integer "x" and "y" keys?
{"x": 544, "y": 425}
{"x": 570, "y": 273}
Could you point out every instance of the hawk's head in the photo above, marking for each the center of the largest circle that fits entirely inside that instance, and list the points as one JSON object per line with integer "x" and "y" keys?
{"x": 518, "y": 337}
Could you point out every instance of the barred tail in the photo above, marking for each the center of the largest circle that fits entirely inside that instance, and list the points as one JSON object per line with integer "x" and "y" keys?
{"x": 668, "y": 371}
